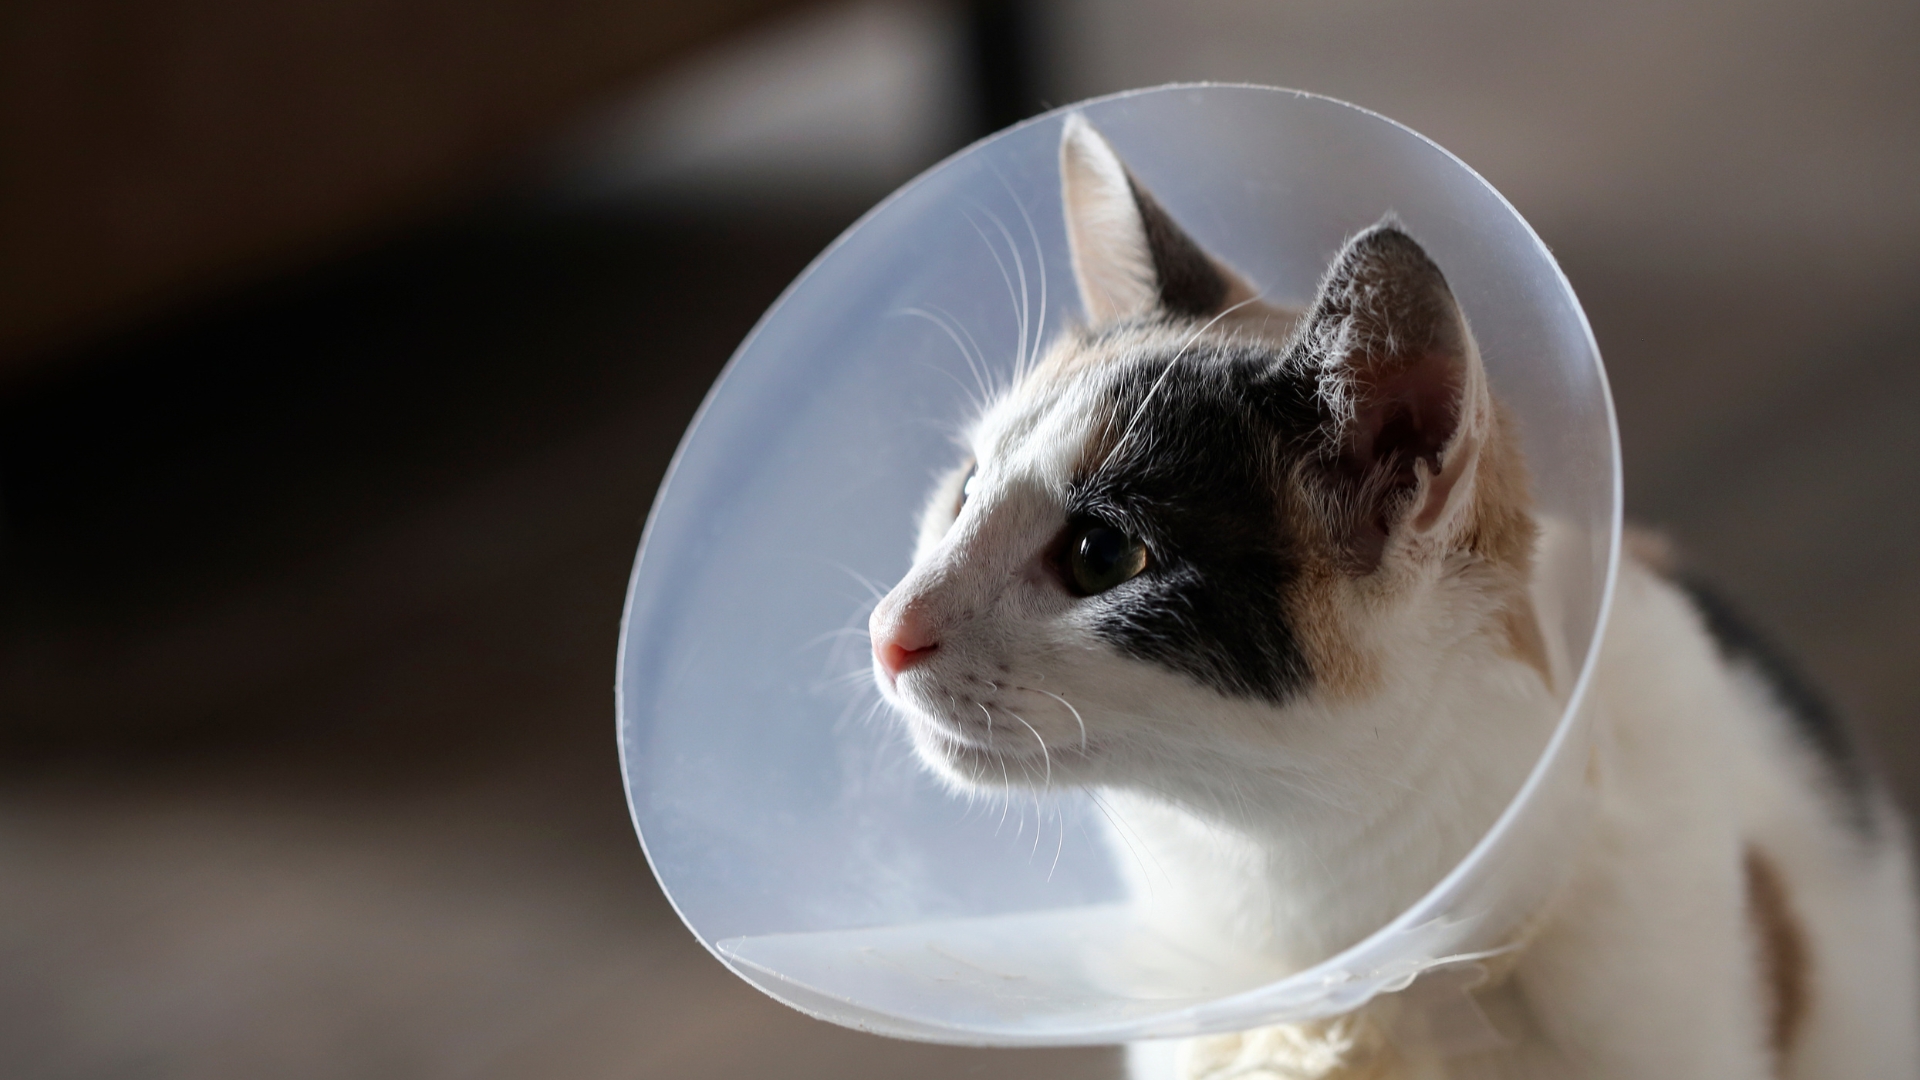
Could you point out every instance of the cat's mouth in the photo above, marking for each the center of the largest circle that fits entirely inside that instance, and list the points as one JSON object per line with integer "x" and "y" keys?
{"x": 991, "y": 743}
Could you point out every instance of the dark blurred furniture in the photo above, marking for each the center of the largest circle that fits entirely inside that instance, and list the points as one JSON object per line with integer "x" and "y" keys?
{"x": 154, "y": 150}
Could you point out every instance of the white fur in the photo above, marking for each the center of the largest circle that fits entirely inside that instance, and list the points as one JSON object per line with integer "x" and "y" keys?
{"x": 1111, "y": 262}
{"x": 1648, "y": 965}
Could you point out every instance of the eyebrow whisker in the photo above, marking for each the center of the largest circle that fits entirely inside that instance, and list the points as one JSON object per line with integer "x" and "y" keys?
{"x": 1140, "y": 409}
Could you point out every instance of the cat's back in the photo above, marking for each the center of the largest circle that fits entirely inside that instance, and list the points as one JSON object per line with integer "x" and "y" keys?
{"x": 1721, "y": 768}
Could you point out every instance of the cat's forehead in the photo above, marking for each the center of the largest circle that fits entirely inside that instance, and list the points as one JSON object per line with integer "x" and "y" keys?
{"x": 1053, "y": 419}
{"x": 1041, "y": 431}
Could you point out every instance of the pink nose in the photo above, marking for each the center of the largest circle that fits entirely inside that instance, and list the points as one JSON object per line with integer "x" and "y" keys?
{"x": 902, "y": 637}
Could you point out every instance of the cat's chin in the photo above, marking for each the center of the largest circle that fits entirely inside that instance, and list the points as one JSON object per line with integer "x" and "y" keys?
{"x": 969, "y": 764}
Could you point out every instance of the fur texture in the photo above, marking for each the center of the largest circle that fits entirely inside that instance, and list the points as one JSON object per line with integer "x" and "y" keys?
{"x": 1263, "y": 578}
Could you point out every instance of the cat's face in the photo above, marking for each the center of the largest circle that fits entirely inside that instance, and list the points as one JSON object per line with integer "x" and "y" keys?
{"x": 1201, "y": 530}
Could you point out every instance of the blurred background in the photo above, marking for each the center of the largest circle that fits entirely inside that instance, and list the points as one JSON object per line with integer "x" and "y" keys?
{"x": 342, "y": 343}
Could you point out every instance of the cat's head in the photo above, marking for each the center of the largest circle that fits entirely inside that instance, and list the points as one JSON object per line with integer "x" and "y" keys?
{"x": 1205, "y": 531}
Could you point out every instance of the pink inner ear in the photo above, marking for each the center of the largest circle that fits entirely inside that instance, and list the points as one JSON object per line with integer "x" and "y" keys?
{"x": 1407, "y": 412}
{"x": 1406, "y": 415}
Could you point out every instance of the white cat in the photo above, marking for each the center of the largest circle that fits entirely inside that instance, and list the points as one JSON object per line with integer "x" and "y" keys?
{"x": 1262, "y": 577}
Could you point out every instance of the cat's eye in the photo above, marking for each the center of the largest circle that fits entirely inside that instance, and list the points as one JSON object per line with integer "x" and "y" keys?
{"x": 1100, "y": 557}
{"x": 966, "y": 488}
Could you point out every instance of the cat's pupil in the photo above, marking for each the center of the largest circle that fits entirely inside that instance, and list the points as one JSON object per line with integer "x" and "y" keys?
{"x": 1101, "y": 557}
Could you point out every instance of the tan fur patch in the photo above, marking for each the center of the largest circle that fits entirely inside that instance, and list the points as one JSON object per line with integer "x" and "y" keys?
{"x": 1069, "y": 356}
{"x": 1326, "y": 605}
{"x": 1322, "y": 613}
{"x": 1502, "y": 530}
{"x": 1079, "y": 351}
{"x": 1785, "y": 960}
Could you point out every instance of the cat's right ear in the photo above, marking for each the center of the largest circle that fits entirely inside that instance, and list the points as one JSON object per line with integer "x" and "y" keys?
{"x": 1129, "y": 257}
{"x": 1399, "y": 370}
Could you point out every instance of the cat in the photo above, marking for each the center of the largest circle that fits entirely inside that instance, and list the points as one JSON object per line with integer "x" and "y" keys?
{"x": 1261, "y": 578}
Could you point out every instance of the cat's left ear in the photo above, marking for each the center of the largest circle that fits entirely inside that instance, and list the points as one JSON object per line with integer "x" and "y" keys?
{"x": 1129, "y": 257}
{"x": 1398, "y": 369}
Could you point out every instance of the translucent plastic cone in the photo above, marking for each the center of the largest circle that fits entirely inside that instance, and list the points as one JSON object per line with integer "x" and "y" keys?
{"x": 785, "y": 813}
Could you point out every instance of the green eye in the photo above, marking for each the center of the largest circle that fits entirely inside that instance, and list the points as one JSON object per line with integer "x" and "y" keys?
{"x": 1100, "y": 556}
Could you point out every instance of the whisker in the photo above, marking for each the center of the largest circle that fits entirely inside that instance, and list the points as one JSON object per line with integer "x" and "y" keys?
{"x": 985, "y": 392}
{"x": 976, "y": 400}
{"x": 1044, "y": 755}
{"x": 856, "y": 677}
{"x": 846, "y": 718}
{"x": 993, "y": 389}
{"x": 1004, "y": 277}
{"x": 856, "y": 626}
{"x": 1060, "y": 845}
{"x": 1141, "y": 409}
{"x": 860, "y": 579}
{"x": 831, "y": 635}
{"x": 1040, "y": 256}
{"x": 1147, "y": 862}
{"x": 1076, "y": 712}
{"x": 1020, "y": 269}
{"x": 988, "y": 713}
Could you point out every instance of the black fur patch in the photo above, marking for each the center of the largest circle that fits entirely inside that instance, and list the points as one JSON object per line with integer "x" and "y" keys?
{"x": 1190, "y": 284}
{"x": 1197, "y": 475}
{"x": 1814, "y": 718}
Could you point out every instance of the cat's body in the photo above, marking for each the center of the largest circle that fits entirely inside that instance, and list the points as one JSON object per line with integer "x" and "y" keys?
{"x": 1738, "y": 911}
{"x": 1264, "y": 578}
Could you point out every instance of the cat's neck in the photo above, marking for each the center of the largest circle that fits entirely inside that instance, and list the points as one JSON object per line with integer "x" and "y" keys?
{"x": 1301, "y": 855}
